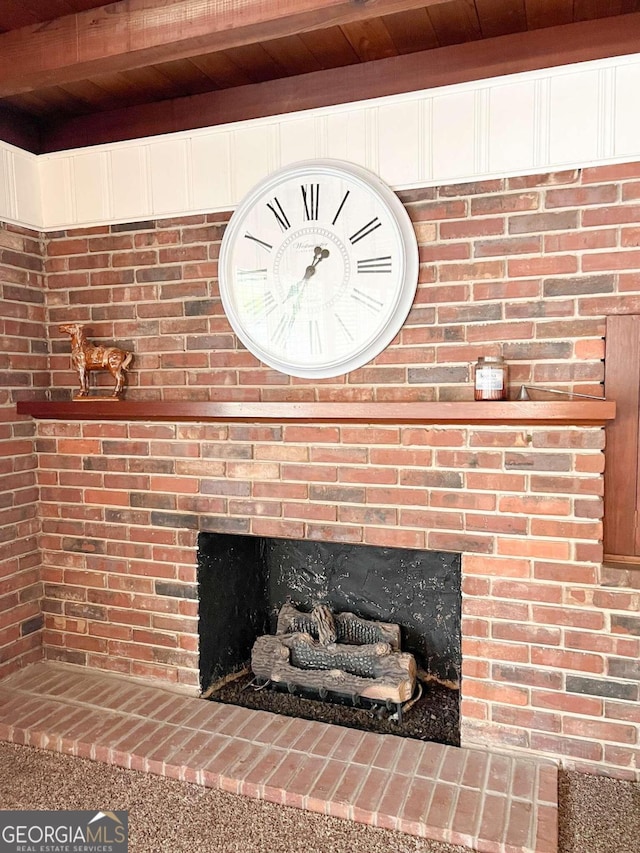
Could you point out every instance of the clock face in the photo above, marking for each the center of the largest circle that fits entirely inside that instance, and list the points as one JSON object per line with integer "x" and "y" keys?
{"x": 318, "y": 268}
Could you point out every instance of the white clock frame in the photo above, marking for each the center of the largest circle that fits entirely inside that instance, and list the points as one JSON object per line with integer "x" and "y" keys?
{"x": 327, "y": 280}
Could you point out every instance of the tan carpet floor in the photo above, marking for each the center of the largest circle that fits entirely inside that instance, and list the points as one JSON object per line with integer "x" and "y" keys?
{"x": 597, "y": 814}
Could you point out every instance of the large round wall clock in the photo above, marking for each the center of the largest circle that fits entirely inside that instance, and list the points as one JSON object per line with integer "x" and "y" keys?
{"x": 318, "y": 268}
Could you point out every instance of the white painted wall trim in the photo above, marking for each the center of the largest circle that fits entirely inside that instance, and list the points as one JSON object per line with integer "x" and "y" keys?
{"x": 572, "y": 116}
{"x": 20, "y": 191}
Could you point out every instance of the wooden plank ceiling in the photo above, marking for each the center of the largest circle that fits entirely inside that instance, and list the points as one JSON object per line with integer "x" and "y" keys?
{"x": 79, "y": 72}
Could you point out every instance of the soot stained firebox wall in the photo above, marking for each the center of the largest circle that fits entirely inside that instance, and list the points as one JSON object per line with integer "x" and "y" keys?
{"x": 244, "y": 580}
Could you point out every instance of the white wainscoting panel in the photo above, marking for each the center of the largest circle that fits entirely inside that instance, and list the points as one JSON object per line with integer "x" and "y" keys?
{"x": 253, "y": 154}
{"x": 626, "y": 121}
{"x": 346, "y": 133}
{"x": 300, "y": 138}
{"x": 512, "y": 126}
{"x": 7, "y": 211}
{"x": 575, "y": 118}
{"x": 57, "y": 185}
{"x": 20, "y": 191}
{"x": 453, "y": 138}
{"x": 567, "y": 117}
{"x": 210, "y": 175}
{"x": 91, "y": 185}
{"x": 28, "y": 202}
{"x": 168, "y": 173}
{"x": 400, "y": 134}
{"x": 130, "y": 184}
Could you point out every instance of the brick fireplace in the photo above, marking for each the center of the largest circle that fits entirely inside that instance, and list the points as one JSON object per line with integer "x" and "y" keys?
{"x": 102, "y": 517}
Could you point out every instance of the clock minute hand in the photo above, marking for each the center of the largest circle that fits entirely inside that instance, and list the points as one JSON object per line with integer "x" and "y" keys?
{"x": 310, "y": 271}
{"x": 319, "y": 254}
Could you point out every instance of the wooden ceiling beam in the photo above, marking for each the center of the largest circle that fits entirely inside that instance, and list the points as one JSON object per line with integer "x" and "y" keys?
{"x": 511, "y": 54}
{"x": 134, "y": 33}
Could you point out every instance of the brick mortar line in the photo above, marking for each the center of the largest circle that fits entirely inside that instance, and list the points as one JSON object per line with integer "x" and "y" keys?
{"x": 522, "y": 752}
{"x": 474, "y": 834}
{"x": 509, "y": 802}
{"x": 327, "y": 797}
{"x": 483, "y": 789}
{"x": 549, "y": 669}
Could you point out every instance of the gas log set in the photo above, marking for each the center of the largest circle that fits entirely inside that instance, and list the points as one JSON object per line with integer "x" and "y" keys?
{"x": 339, "y": 656}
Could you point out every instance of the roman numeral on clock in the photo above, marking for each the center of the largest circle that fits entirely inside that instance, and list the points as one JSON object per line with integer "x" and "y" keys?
{"x": 261, "y": 306}
{"x": 260, "y": 242}
{"x": 367, "y": 229}
{"x": 343, "y": 327}
{"x": 340, "y": 206}
{"x": 310, "y": 198}
{"x": 281, "y": 217}
{"x": 366, "y": 300}
{"x": 381, "y": 264}
{"x": 315, "y": 342}
{"x": 283, "y": 329}
{"x": 252, "y": 275}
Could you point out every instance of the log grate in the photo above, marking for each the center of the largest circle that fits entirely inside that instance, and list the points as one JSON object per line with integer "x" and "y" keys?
{"x": 336, "y": 655}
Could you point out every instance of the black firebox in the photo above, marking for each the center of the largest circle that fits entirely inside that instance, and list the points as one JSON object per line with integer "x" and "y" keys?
{"x": 244, "y": 580}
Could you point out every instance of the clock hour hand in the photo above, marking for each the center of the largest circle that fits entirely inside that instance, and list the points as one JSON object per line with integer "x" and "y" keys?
{"x": 318, "y": 255}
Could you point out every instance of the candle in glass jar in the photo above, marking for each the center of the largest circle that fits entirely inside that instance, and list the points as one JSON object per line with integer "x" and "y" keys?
{"x": 490, "y": 378}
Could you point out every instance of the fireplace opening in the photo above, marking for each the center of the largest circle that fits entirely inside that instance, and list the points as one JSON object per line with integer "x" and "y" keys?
{"x": 246, "y": 581}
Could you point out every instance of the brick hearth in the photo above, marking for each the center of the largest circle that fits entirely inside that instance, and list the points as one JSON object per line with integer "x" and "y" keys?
{"x": 487, "y": 801}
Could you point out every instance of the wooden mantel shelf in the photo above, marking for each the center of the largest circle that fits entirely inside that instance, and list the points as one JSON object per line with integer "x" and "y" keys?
{"x": 569, "y": 412}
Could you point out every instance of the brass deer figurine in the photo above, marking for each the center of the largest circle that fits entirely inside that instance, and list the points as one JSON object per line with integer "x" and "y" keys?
{"x": 86, "y": 357}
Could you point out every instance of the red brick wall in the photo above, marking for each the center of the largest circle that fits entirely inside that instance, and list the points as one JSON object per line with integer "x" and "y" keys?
{"x": 23, "y": 365}
{"x": 505, "y": 265}
{"x": 526, "y": 266}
